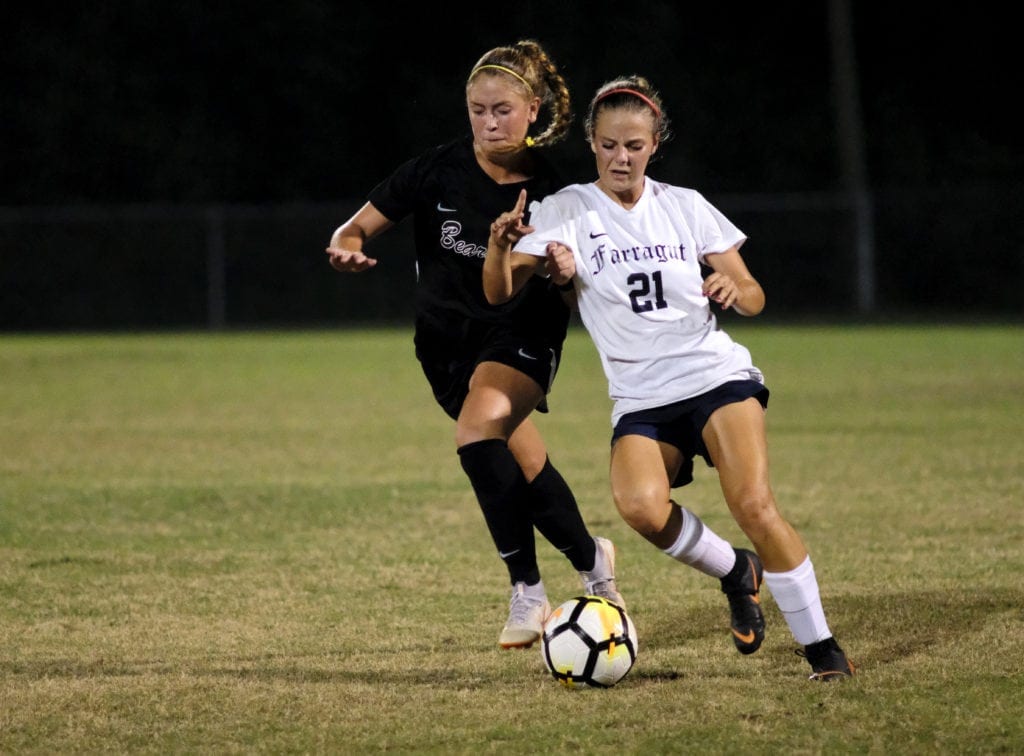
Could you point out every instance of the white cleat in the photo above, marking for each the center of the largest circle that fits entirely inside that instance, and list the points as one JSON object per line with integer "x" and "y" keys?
{"x": 527, "y": 611}
{"x": 600, "y": 581}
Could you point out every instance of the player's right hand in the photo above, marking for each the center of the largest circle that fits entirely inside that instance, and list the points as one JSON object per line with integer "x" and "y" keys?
{"x": 560, "y": 263}
{"x": 349, "y": 261}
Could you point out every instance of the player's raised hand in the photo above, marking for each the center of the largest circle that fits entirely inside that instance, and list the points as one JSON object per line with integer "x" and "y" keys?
{"x": 349, "y": 261}
{"x": 559, "y": 263}
{"x": 509, "y": 228}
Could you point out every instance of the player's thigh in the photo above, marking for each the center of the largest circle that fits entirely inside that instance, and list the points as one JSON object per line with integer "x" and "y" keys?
{"x": 639, "y": 472}
{"x": 736, "y": 439}
{"x": 499, "y": 392}
{"x": 499, "y": 399}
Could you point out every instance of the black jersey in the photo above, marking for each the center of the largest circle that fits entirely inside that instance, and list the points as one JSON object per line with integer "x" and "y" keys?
{"x": 453, "y": 203}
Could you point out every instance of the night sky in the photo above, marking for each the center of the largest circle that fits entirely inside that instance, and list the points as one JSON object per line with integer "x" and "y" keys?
{"x": 313, "y": 101}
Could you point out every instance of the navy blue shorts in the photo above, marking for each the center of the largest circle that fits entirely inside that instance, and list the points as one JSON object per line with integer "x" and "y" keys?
{"x": 681, "y": 424}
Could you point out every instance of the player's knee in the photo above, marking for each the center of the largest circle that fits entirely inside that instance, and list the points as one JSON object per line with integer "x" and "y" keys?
{"x": 754, "y": 509}
{"x": 464, "y": 436}
{"x": 471, "y": 430}
{"x": 642, "y": 508}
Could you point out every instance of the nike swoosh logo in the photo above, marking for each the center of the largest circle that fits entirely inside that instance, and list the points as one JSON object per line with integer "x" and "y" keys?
{"x": 745, "y": 637}
{"x": 594, "y": 236}
{"x": 444, "y": 209}
{"x": 757, "y": 585}
{"x": 507, "y": 554}
{"x": 523, "y": 353}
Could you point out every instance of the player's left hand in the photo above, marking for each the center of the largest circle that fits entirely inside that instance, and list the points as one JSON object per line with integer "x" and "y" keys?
{"x": 722, "y": 289}
{"x": 559, "y": 263}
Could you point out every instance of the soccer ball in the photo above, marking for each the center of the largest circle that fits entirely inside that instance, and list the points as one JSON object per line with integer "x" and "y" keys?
{"x": 588, "y": 640}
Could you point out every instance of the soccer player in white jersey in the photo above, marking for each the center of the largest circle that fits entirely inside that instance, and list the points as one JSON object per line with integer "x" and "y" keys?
{"x": 633, "y": 249}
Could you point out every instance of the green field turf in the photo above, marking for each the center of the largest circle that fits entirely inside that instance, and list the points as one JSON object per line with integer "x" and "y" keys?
{"x": 263, "y": 542}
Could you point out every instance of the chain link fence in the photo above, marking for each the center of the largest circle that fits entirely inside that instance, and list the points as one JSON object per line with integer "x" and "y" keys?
{"x": 933, "y": 253}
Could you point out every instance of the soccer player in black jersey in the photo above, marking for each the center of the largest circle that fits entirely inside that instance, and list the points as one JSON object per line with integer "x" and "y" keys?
{"x": 491, "y": 366}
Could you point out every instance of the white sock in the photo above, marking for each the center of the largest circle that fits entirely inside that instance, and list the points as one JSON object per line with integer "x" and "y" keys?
{"x": 699, "y": 546}
{"x": 796, "y": 593}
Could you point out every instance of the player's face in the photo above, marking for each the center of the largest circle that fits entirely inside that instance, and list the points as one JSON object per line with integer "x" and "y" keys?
{"x": 499, "y": 113}
{"x": 623, "y": 143}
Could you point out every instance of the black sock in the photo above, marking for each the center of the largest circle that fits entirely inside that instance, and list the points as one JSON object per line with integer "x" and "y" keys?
{"x": 503, "y": 495}
{"x": 557, "y": 516}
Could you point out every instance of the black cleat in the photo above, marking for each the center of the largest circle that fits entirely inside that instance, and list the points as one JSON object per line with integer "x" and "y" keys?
{"x": 828, "y": 661}
{"x": 742, "y": 586}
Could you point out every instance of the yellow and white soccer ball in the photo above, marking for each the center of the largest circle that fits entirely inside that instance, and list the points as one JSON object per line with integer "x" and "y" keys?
{"x": 589, "y": 641}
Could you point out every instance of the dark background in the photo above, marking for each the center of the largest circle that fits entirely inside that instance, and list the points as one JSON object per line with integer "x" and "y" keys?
{"x": 144, "y": 144}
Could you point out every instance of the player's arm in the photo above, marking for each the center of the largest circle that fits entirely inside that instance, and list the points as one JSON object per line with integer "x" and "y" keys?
{"x": 505, "y": 271}
{"x": 731, "y": 284}
{"x": 346, "y": 246}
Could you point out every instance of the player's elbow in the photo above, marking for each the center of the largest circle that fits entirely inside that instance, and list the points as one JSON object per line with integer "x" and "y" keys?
{"x": 497, "y": 299}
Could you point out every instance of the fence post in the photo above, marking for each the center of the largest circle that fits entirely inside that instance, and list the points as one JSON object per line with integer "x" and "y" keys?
{"x": 216, "y": 260}
{"x": 850, "y": 132}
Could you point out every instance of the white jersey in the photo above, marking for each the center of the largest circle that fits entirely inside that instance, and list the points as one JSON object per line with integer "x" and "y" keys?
{"x": 638, "y": 284}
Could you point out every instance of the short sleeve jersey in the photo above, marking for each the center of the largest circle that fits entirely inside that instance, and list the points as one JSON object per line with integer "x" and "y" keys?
{"x": 453, "y": 203}
{"x": 638, "y": 283}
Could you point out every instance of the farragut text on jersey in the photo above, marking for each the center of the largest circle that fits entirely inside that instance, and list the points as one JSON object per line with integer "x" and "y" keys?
{"x": 659, "y": 252}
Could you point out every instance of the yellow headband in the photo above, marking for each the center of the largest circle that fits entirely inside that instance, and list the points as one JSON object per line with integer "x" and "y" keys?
{"x": 500, "y": 68}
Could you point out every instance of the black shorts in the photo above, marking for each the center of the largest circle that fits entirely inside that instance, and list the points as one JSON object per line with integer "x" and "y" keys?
{"x": 681, "y": 424}
{"x": 449, "y": 374}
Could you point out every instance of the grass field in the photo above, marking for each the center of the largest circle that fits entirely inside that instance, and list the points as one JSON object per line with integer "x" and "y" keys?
{"x": 263, "y": 542}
